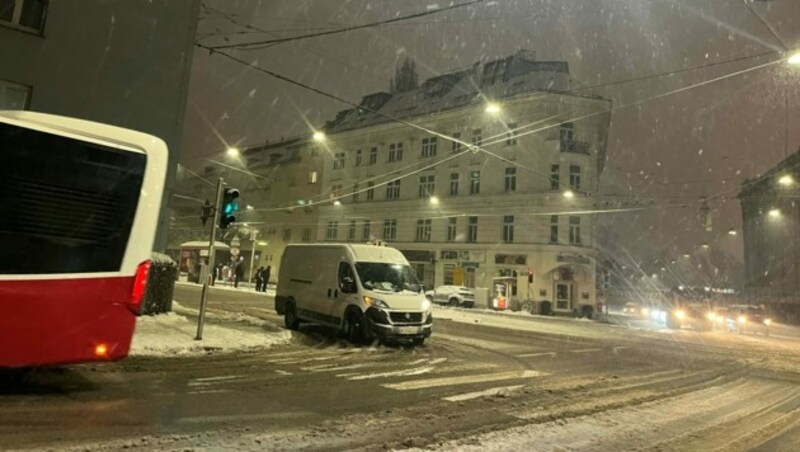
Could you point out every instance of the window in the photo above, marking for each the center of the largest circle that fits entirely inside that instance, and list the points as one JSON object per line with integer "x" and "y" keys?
{"x": 477, "y": 139}
{"x": 553, "y": 228}
{"x": 452, "y": 223}
{"x": 312, "y": 177}
{"x": 395, "y": 152}
{"x": 338, "y": 160}
{"x": 456, "y": 146}
{"x": 27, "y": 14}
{"x": 511, "y": 135}
{"x": 423, "y": 230}
{"x": 355, "y": 193}
{"x": 472, "y": 230}
{"x": 555, "y": 177}
{"x": 511, "y": 179}
{"x": 454, "y": 177}
{"x": 370, "y": 191}
{"x": 336, "y": 191}
{"x": 575, "y": 177}
{"x": 508, "y": 228}
{"x": 358, "y": 157}
{"x": 366, "y": 233}
{"x": 287, "y": 234}
{"x": 449, "y": 273}
{"x": 426, "y": 186}
{"x": 351, "y": 231}
{"x": 393, "y": 189}
{"x": 373, "y": 156}
{"x": 332, "y": 232}
{"x": 575, "y": 230}
{"x": 566, "y": 136}
{"x": 474, "y": 182}
{"x": 429, "y": 147}
{"x": 12, "y": 95}
{"x": 307, "y": 234}
{"x": 389, "y": 229}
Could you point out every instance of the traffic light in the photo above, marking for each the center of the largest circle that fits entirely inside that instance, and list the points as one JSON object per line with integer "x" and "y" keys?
{"x": 229, "y": 207}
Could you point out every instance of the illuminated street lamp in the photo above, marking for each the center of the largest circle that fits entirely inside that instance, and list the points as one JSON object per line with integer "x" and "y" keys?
{"x": 732, "y": 231}
{"x": 794, "y": 59}
{"x": 249, "y": 207}
{"x": 337, "y": 203}
{"x": 318, "y": 136}
{"x": 232, "y": 152}
{"x": 704, "y": 246}
{"x": 492, "y": 108}
{"x": 434, "y": 200}
{"x": 569, "y": 194}
{"x": 774, "y": 213}
{"x": 786, "y": 180}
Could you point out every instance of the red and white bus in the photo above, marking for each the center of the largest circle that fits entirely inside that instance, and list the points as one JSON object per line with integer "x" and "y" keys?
{"x": 78, "y": 213}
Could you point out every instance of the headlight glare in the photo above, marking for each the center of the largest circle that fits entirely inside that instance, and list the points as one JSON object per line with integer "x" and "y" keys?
{"x": 426, "y": 304}
{"x": 372, "y": 301}
{"x": 768, "y": 322}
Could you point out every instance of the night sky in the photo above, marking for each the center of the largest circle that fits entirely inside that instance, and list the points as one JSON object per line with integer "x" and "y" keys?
{"x": 673, "y": 139}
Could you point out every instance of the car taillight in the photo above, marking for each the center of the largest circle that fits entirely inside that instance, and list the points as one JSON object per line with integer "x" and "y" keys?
{"x": 140, "y": 284}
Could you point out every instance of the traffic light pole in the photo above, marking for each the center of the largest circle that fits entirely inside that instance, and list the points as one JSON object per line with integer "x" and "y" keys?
{"x": 211, "y": 254}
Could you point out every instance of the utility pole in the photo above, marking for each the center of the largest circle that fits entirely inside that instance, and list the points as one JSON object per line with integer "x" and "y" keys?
{"x": 211, "y": 263}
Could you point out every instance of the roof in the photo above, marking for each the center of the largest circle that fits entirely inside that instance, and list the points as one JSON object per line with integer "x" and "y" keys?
{"x": 763, "y": 182}
{"x": 498, "y": 79}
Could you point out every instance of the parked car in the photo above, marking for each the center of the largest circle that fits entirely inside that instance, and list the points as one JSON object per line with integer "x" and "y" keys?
{"x": 452, "y": 296}
{"x": 636, "y": 310}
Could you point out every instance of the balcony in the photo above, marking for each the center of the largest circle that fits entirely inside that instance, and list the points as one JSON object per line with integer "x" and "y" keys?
{"x": 575, "y": 147}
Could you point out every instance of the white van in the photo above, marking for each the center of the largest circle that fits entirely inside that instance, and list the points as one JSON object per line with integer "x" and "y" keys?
{"x": 366, "y": 291}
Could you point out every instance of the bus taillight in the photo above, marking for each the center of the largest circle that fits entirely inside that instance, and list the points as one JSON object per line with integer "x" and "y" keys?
{"x": 140, "y": 284}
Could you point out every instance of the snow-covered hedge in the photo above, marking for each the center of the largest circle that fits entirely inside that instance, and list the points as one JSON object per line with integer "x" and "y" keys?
{"x": 160, "y": 285}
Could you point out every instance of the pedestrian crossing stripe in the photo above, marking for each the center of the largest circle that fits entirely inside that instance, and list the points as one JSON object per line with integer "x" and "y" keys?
{"x": 463, "y": 380}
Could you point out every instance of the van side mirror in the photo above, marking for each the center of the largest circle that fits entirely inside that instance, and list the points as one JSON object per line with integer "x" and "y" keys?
{"x": 348, "y": 285}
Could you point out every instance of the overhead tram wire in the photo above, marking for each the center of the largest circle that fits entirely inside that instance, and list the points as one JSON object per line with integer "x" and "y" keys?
{"x": 349, "y": 28}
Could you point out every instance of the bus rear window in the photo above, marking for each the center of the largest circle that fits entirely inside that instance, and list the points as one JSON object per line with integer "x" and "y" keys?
{"x": 67, "y": 206}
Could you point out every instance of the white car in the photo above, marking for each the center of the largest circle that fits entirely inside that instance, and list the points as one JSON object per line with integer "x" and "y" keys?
{"x": 452, "y": 296}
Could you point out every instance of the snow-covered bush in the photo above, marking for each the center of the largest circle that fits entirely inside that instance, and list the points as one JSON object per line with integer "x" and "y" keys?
{"x": 160, "y": 285}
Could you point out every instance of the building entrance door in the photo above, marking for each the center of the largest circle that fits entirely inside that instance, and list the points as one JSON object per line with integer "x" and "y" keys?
{"x": 563, "y": 296}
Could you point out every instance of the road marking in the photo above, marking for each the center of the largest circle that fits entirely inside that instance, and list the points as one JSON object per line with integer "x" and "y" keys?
{"x": 396, "y": 373}
{"x": 210, "y": 379}
{"x": 210, "y": 391}
{"x": 329, "y": 368}
{"x": 532, "y": 355}
{"x": 300, "y": 360}
{"x": 586, "y": 350}
{"x": 476, "y": 394}
{"x": 462, "y": 380}
{"x": 283, "y": 372}
{"x": 620, "y": 347}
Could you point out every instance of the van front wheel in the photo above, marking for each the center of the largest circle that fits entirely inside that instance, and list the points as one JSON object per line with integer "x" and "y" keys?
{"x": 290, "y": 318}
{"x": 354, "y": 327}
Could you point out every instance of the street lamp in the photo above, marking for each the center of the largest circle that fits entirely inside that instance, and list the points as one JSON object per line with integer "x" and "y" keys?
{"x": 492, "y": 108}
{"x": 774, "y": 213}
{"x": 337, "y": 203}
{"x": 732, "y": 231}
{"x": 794, "y": 59}
{"x": 704, "y": 246}
{"x": 232, "y": 152}
{"x": 434, "y": 200}
{"x": 569, "y": 194}
{"x": 318, "y": 136}
{"x": 786, "y": 180}
{"x": 249, "y": 207}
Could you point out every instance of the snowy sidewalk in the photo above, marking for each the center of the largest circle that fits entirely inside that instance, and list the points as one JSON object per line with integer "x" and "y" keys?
{"x": 219, "y": 286}
{"x": 173, "y": 334}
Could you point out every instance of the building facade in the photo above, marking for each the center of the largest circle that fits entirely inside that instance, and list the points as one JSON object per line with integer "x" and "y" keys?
{"x": 280, "y": 182}
{"x": 120, "y": 63}
{"x": 770, "y": 217}
{"x": 496, "y": 179}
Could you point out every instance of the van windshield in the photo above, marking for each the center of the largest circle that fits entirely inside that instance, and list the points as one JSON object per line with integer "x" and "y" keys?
{"x": 387, "y": 277}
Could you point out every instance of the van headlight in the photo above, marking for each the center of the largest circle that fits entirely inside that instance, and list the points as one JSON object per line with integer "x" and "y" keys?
{"x": 372, "y": 301}
{"x": 712, "y": 316}
{"x": 645, "y": 312}
{"x": 426, "y": 304}
{"x": 768, "y": 322}
{"x": 680, "y": 314}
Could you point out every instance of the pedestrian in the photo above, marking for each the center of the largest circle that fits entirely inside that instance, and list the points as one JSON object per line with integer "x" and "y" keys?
{"x": 215, "y": 273}
{"x": 267, "y": 271}
{"x": 259, "y": 280}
